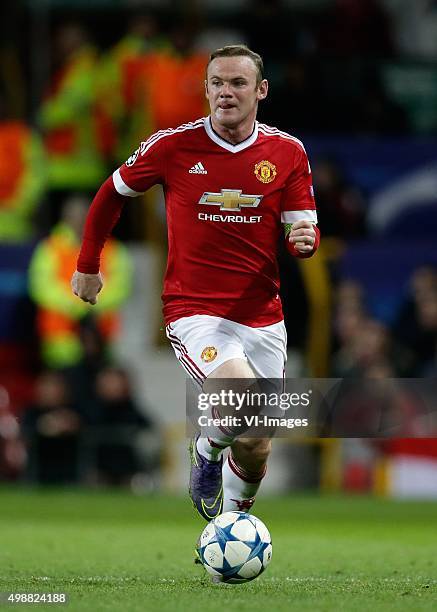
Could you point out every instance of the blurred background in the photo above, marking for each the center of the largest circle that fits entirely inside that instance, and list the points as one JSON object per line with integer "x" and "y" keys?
{"x": 94, "y": 397}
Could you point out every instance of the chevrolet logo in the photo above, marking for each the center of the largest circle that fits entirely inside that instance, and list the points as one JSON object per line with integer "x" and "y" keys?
{"x": 230, "y": 199}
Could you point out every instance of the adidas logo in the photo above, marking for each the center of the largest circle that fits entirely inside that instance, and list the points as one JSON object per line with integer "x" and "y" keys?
{"x": 198, "y": 169}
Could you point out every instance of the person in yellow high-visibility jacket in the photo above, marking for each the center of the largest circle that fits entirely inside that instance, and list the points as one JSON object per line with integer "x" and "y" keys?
{"x": 22, "y": 177}
{"x": 59, "y": 316}
{"x": 67, "y": 116}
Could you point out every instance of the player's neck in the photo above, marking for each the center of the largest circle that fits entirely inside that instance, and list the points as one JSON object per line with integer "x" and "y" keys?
{"x": 234, "y": 135}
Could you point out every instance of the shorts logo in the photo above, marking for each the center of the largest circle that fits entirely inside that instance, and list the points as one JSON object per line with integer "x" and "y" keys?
{"x": 265, "y": 171}
{"x": 133, "y": 158}
{"x": 209, "y": 353}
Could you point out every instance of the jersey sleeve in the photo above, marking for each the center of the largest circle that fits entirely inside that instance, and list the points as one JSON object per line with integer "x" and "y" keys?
{"x": 144, "y": 168}
{"x": 298, "y": 196}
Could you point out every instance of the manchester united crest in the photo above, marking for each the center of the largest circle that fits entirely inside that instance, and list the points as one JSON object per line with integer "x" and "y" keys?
{"x": 265, "y": 171}
{"x": 209, "y": 353}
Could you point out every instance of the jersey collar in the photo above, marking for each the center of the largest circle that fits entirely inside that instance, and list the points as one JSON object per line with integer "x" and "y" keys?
{"x": 224, "y": 143}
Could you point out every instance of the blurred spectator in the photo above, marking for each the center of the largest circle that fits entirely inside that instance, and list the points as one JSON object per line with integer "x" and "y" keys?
{"x": 369, "y": 346}
{"x": 350, "y": 294}
{"x": 63, "y": 322}
{"x": 82, "y": 375}
{"x": 118, "y": 123}
{"x": 118, "y": 429}
{"x": 51, "y": 429}
{"x": 167, "y": 86}
{"x": 416, "y": 325}
{"x": 67, "y": 114}
{"x": 340, "y": 205}
{"x": 22, "y": 177}
{"x": 379, "y": 407}
{"x": 364, "y": 347}
{"x": 350, "y": 311}
{"x": 350, "y": 315}
{"x": 12, "y": 451}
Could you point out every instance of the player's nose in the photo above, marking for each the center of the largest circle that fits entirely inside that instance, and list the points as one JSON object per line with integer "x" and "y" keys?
{"x": 225, "y": 91}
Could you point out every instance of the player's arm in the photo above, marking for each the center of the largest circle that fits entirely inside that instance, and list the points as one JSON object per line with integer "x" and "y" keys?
{"x": 302, "y": 238}
{"x": 298, "y": 208}
{"x": 103, "y": 214}
{"x": 145, "y": 167}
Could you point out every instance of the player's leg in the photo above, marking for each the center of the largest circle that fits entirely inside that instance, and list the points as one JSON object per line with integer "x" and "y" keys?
{"x": 206, "y": 489}
{"x": 243, "y": 472}
{"x": 217, "y": 439}
{"x": 202, "y": 345}
{"x": 252, "y": 453}
{"x": 246, "y": 463}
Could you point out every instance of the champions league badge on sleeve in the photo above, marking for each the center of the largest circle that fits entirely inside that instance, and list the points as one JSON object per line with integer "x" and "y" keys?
{"x": 133, "y": 158}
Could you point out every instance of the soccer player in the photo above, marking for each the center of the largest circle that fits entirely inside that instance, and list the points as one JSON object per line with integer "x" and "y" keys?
{"x": 231, "y": 185}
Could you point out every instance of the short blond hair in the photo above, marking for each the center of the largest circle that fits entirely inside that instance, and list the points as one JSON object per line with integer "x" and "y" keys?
{"x": 240, "y": 51}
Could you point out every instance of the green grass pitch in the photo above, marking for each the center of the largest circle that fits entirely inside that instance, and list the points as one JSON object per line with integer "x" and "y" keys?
{"x": 113, "y": 551}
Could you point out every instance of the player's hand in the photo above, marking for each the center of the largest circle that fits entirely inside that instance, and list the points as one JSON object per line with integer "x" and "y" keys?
{"x": 303, "y": 236}
{"x": 87, "y": 286}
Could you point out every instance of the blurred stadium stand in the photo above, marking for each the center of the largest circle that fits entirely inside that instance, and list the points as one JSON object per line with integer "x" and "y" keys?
{"x": 357, "y": 82}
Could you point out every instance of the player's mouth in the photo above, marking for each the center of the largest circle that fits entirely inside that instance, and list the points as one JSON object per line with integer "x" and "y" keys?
{"x": 226, "y": 106}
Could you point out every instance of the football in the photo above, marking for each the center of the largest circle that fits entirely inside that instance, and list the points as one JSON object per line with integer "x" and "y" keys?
{"x": 235, "y": 547}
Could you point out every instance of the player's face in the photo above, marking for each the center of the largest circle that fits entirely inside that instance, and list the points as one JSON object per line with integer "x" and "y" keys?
{"x": 233, "y": 92}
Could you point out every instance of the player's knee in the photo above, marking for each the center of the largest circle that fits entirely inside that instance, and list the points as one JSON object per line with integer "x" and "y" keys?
{"x": 232, "y": 368}
{"x": 258, "y": 448}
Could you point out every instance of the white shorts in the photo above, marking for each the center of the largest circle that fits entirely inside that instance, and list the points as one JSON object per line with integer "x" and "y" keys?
{"x": 202, "y": 343}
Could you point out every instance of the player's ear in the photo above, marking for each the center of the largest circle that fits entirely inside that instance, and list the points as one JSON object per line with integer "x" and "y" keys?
{"x": 263, "y": 88}
{"x": 206, "y": 90}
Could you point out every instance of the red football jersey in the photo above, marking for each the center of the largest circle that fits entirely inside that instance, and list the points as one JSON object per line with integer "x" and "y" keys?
{"x": 225, "y": 208}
